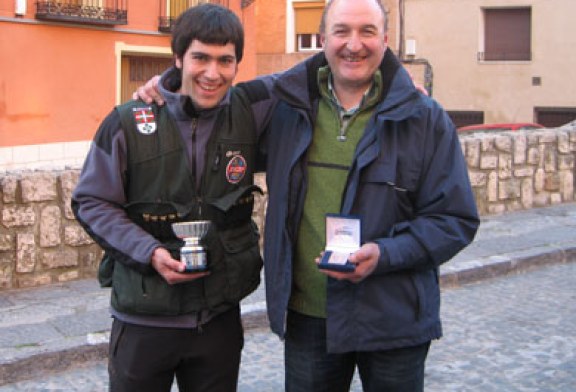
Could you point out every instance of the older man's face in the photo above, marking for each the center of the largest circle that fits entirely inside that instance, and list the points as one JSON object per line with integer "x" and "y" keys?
{"x": 354, "y": 42}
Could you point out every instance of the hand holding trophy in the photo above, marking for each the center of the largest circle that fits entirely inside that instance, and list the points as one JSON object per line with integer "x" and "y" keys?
{"x": 192, "y": 254}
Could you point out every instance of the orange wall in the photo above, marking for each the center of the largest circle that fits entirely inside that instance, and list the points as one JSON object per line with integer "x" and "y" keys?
{"x": 271, "y": 26}
{"x": 58, "y": 81}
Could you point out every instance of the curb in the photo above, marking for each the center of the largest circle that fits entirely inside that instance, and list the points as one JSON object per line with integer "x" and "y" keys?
{"x": 94, "y": 348}
{"x": 503, "y": 265}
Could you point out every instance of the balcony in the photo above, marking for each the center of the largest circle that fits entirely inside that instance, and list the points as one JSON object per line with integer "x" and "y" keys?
{"x": 169, "y": 11}
{"x": 95, "y": 12}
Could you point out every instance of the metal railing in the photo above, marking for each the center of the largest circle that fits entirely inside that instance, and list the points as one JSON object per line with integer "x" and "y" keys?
{"x": 101, "y": 12}
{"x": 169, "y": 15}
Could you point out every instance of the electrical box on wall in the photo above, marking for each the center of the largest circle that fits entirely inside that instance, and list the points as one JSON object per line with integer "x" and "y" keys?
{"x": 411, "y": 47}
{"x": 20, "y": 7}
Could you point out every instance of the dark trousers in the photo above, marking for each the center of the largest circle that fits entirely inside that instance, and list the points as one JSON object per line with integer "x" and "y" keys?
{"x": 310, "y": 368}
{"x": 147, "y": 359}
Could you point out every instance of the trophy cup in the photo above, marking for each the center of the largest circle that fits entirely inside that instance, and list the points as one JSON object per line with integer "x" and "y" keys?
{"x": 192, "y": 254}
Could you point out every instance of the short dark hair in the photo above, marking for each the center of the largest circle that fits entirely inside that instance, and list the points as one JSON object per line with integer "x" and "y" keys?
{"x": 209, "y": 24}
{"x": 329, "y": 5}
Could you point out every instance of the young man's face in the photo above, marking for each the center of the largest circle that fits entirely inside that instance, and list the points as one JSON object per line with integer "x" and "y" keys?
{"x": 354, "y": 42}
{"x": 208, "y": 70}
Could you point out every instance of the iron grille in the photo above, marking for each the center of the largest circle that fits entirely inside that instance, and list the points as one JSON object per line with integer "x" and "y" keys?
{"x": 169, "y": 15}
{"x": 101, "y": 12}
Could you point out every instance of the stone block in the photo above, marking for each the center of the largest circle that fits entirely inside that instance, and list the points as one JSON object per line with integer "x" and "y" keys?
{"x": 6, "y": 242}
{"x": 534, "y": 155}
{"x": 563, "y": 143}
{"x": 50, "y": 224}
{"x": 539, "y": 179}
{"x": 18, "y": 216}
{"x": 60, "y": 258}
{"x": 493, "y": 187}
{"x": 34, "y": 280}
{"x": 566, "y": 162}
{"x": 488, "y": 161}
{"x": 503, "y": 142}
{"x": 38, "y": 187}
{"x": 520, "y": 149}
{"x": 68, "y": 276}
{"x": 547, "y": 136}
{"x": 496, "y": 209}
{"x": 487, "y": 143}
{"x": 567, "y": 185}
{"x": 74, "y": 235}
{"x": 550, "y": 156}
{"x": 524, "y": 172}
{"x": 509, "y": 189}
{"x": 527, "y": 193}
{"x": 473, "y": 153}
{"x": 477, "y": 178}
{"x": 26, "y": 253}
{"x": 68, "y": 181}
{"x": 9, "y": 188}
{"x": 552, "y": 182}
{"x": 505, "y": 166}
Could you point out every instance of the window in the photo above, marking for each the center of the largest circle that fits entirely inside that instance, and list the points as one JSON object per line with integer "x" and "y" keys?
{"x": 309, "y": 42}
{"x": 507, "y": 34}
{"x": 462, "y": 118}
{"x": 136, "y": 70}
{"x": 307, "y": 23}
{"x": 554, "y": 117}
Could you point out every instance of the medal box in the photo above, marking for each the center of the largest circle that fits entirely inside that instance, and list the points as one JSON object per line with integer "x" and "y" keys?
{"x": 342, "y": 239}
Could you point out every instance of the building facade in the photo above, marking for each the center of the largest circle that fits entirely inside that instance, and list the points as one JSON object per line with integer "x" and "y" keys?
{"x": 497, "y": 61}
{"x": 64, "y": 65}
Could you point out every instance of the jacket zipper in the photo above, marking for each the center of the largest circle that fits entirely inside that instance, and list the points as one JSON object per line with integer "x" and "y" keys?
{"x": 194, "y": 174}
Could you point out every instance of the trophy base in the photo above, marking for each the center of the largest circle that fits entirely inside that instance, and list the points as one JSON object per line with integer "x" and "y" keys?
{"x": 193, "y": 270}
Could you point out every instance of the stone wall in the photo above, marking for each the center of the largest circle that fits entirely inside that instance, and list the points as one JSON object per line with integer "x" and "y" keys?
{"x": 519, "y": 170}
{"x": 41, "y": 243}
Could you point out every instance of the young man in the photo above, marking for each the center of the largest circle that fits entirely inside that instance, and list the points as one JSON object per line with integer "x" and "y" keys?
{"x": 188, "y": 161}
{"x": 352, "y": 135}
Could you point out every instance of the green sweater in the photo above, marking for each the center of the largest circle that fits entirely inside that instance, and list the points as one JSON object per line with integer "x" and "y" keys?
{"x": 329, "y": 161}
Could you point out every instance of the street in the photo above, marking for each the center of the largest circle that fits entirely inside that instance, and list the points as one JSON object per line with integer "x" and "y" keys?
{"x": 511, "y": 333}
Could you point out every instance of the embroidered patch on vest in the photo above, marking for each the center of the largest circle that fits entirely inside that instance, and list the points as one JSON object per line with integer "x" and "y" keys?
{"x": 236, "y": 169}
{"x": 145, "y": 121}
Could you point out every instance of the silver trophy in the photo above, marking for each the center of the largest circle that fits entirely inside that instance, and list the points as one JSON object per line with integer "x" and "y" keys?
{"x": 192, "y": 254}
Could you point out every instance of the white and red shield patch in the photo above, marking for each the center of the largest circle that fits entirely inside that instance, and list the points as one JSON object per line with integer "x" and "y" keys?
{"x": 145, "y": 120}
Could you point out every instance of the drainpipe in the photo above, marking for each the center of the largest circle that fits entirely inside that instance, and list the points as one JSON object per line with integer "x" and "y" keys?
{"x": 428, "y": 74}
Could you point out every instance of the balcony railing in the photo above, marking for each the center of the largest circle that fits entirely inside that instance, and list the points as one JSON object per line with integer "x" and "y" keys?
{"x": 168, "y": 15}
{"x": 100, "y": 12}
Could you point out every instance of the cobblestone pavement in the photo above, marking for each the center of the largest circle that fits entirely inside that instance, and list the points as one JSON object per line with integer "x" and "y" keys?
{"x": 511, "y": 333}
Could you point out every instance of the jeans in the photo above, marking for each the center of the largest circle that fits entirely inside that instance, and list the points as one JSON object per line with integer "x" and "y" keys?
{"x": 310, "y": 368}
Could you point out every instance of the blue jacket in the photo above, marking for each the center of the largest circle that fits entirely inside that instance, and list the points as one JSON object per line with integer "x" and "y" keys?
{"x": 409, "y": 183}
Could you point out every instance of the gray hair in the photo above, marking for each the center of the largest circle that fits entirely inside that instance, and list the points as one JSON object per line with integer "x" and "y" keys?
{"x": 329, "y": 4}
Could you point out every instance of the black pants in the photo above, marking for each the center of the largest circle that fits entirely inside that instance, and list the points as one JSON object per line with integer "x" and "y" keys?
{"x": 147, "y": 359}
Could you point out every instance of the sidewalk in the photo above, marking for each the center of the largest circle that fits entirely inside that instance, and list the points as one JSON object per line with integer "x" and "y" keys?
{"x": 48, "y": 329}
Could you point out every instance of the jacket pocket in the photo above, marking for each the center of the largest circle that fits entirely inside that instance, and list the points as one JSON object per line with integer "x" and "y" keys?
{"x": 133, "y": 292}
{"x": 388, "y": 192}
{"x": 235, "y": 263}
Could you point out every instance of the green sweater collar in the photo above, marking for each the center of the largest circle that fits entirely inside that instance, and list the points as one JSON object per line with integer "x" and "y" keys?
{"x": 371, "y": 96}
